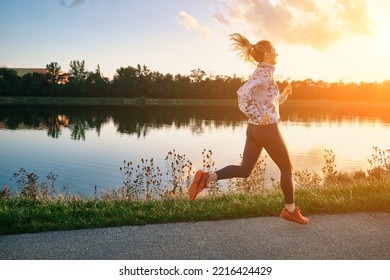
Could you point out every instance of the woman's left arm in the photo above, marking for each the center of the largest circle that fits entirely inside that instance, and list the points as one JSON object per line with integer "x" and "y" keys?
{"x": 284, "y": 95}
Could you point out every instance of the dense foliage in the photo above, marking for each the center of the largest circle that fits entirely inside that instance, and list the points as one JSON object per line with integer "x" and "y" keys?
{"x": 140, "y": 81}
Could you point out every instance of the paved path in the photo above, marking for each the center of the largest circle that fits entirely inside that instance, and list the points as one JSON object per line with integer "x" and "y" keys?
{"x": 362, "y": 236}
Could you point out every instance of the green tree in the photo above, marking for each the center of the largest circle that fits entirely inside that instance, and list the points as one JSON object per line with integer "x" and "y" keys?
{"x": 96, "y": 77}
{"x": 123, "y": 81}
{"x": 96, "y": 83}
{"x": 134, "y": 82}
{"x": 142, "y": 71}
{"x": 78, "y": 73}
{"x": 197, "y": 75}
{"x": 35, "y": 84}
{"x": 77, "y": 78}
{"x": 181, "y": 85}
{"x": 53, "y": 71}
{"x": 10, "y": 82}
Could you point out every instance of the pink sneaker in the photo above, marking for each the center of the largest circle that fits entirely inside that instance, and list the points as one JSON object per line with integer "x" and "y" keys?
{"x": 199, "y": 183}
{"x": 296, "y": 216}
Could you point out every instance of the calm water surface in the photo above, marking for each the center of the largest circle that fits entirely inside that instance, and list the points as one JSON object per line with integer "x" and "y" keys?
{"x": 86, "y": 145}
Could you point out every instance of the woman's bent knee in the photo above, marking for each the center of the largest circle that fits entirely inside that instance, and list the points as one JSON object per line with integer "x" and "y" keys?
{"x": 245, "y": 173}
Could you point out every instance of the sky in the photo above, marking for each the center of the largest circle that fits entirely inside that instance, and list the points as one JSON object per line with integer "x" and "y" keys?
{"x": 331, "y": 40}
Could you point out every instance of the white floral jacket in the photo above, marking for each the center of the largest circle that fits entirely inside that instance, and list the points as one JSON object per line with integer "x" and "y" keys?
{"x": 260, "y": 95}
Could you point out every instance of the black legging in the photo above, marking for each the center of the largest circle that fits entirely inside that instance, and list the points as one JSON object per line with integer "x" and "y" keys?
{"x": 269, "y": 138}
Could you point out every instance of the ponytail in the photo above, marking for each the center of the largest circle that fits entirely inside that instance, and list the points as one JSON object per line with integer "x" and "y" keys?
{"x": 247, "y": 51}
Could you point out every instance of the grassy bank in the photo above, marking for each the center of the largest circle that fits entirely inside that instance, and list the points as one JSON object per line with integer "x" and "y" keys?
{"x": 145, "y": 199}
{"x": 18, "y": 215}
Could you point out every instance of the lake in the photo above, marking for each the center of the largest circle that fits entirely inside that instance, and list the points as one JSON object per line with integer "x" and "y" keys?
{"x": 86, "y": 145}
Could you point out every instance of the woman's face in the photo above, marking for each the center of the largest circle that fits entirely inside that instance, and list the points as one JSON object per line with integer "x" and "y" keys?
{"x": 270, "y": 56}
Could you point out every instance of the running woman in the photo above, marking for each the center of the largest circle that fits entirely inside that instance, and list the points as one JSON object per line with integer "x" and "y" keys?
{"x": 259, "y": 99}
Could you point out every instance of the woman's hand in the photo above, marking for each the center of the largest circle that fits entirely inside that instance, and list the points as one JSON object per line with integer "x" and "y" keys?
{"x": 265, "y": 119}
{"x": 287, "y": 90}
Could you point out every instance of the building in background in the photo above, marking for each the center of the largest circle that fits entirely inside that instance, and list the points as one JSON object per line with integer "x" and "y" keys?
{"x": 23, "y": 71}
{"x": 63, "y": 76}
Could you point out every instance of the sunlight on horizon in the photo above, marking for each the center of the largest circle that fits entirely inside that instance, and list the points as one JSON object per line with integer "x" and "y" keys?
{"x": 329, "y": 41}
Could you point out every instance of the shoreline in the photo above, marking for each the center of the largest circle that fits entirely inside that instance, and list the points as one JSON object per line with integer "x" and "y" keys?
{"x": 36, "y": 100}
{"x": 19, "y": 100}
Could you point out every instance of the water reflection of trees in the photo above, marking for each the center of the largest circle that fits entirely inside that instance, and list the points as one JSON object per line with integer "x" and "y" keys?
{"x": 139, "y": 120}
{"x": 53, "y": 118}
{"x": 54, "y": 125}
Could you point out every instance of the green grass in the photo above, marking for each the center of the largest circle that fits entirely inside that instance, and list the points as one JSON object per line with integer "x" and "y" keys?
{"x": 35, "y": 207}
{"x": 21, "y": 215}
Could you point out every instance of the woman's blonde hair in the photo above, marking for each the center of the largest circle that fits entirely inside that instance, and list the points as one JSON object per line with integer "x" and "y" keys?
{"x": 247, "y": 51}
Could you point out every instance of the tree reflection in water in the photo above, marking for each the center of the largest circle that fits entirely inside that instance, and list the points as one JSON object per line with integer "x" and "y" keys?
{"x": 140, "y": 120}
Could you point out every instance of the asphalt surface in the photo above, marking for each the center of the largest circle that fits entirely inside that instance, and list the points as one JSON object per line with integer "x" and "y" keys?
{"x": 359, "y": 236}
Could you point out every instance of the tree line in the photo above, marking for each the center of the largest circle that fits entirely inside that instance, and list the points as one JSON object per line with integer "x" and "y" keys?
{"x": 141, "y": 82}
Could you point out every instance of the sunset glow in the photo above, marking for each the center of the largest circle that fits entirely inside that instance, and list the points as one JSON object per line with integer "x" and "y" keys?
{"x": 323, "y": 40}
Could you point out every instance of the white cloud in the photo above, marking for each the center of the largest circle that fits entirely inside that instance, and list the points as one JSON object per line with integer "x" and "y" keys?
{"x": 191, "y": 23}
{"x": 315, "y": 23}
